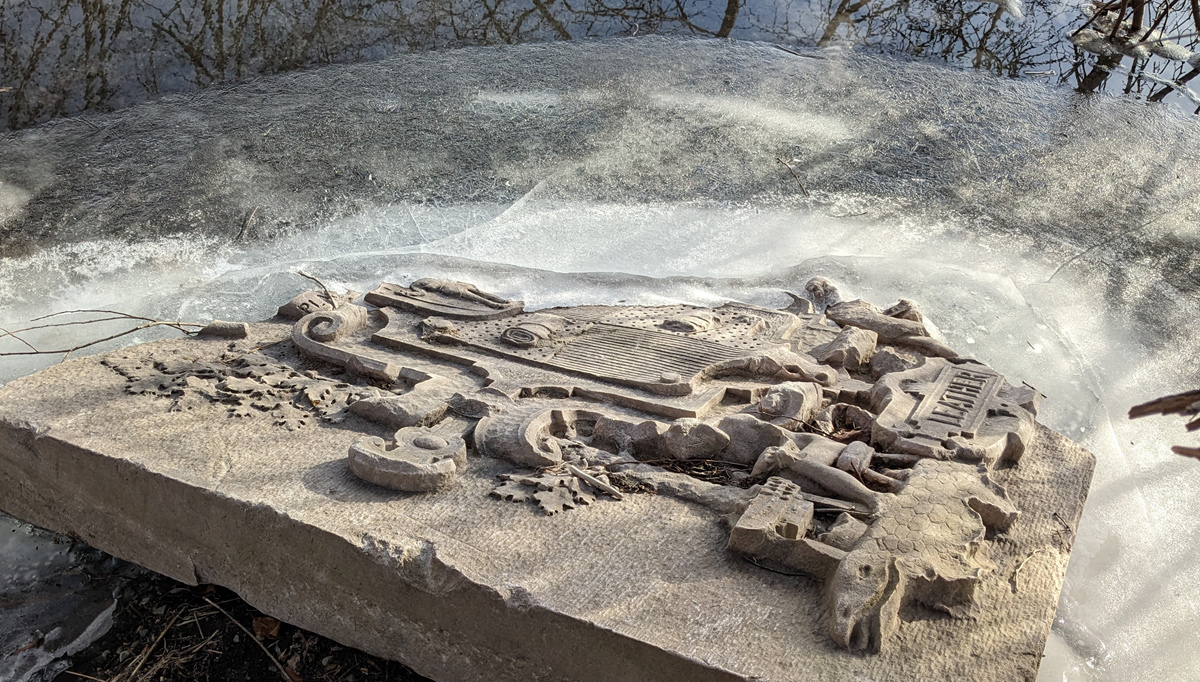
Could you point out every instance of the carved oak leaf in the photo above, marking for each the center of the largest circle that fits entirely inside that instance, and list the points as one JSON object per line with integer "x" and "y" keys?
{"x": 319, "y": 394}
{"x": 512, "y": 491}
{"x": 236, "y": 385}
{"x": 580, "y": 491}
{"x": 187, "y": 402}
{"x": 129, "y": 366}
{"x": 280, "y": 378}
{"x": 189, "y": 368}
{"x": 556, "y": 499}
{"x": 288, "y": 416}
{"x": 255, "y": 366}
{"x": 583, "y": 495}
{"x": 156, "y": 385}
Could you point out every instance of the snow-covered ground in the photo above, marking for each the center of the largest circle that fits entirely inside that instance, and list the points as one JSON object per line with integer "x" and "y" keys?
{"x": 1052, "y": 236}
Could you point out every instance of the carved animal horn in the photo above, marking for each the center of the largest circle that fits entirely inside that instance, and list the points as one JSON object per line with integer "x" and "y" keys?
{"x": 799, "y": 305}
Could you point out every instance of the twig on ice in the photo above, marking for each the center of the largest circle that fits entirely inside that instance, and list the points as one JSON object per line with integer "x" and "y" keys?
{"x": 246, "y": 224}
{"x": 785, "y": 165}
{"x": 147, "y": 323}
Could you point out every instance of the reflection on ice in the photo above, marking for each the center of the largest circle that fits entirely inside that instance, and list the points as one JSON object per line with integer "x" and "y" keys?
{"x": 598, "y": 176}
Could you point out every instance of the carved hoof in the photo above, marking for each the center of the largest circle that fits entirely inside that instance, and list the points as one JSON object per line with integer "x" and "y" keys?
{"x": 420, "y": 462}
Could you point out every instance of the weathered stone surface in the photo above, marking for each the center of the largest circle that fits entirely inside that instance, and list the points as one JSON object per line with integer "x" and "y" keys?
{"x": 227, "y": 330}
{"x": 965, "y": 410}
{"x": 748, "y": 437}
{"x": 690, "y": 438}
{"x": 852, "y": 349}
{"x": 887, "y": 360}
{"x": 790, "y": 404}
{"x": 286, "y": 466}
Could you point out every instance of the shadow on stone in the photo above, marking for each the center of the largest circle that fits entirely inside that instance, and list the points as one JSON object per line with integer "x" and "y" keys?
{"x": 333, "y": 479}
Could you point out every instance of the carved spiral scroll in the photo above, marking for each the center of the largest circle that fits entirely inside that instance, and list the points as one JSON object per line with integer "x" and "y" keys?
{"x": 330, "y": 325}
{"x": 534, "y": 331}
{"x": 521, "y": 338}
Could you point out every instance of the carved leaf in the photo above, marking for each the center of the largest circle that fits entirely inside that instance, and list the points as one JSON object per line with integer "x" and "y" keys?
{"x": 584, "y": 495}
{"x": 521, "y": 477}
{"x": 188, "y": 402}
{"x": 203, "y": 387}
{"x": 278, "y": 379}
{"x": 189, "y": 368}
{"x": 288, "y": 416}
{"x": 156, "y": 385}
{"x": 318, "y": 394}
{"x": 551, "y": 481}
{"x": 512, "y": 491}
{"x": 129, "y": 366}
{"x": 554, "y": 500}
{"x": 236, "y": 385}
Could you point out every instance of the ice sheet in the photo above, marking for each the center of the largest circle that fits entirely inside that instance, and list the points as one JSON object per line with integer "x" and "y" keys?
{"x": 1051, "y": 236}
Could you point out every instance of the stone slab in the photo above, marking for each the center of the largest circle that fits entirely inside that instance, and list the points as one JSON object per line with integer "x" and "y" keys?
{"x": 461, "y": 586}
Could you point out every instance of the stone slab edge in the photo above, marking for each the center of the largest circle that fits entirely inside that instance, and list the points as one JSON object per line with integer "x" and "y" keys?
{"x": 498, "y": 636}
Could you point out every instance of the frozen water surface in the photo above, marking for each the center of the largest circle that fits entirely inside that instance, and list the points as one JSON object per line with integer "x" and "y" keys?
{"x": 1050, "y": 235}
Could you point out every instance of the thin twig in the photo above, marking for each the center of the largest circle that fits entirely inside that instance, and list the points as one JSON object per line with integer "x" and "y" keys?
{"x": 1097, "y": 245}
{"x": 1186, "y": 451}
{"x": 68, "y": 324}
{"x": 785, "y": 165}
{"x": 13, "y": 334}
{"x": 332, "y": 301}
{"x": 117, "y": 315}
{"x": 246, "y": 224}
{"x": 1102, "y": 10}
{"x": 1160, "y": 17}
{"x": 140, "y": 327}
{"x": 1196, "y": 14}
{"x": 93, "y": 310}
{"x": 1021, "y": 565}
{"x": 152, "y": 647}
{"x": 1159, "y": 41}
{"x": 775, "y": 570}
{"x": 282, "y": 670}
{"x": 1120, "y": 19}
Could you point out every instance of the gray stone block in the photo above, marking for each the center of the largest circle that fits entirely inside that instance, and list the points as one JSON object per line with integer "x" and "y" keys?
{"x": 545, "y": 556}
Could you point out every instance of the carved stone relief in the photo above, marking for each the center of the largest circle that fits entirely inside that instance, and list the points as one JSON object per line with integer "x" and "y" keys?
{"x": 247, "y": 383}
{"x": 838, "y": 439}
